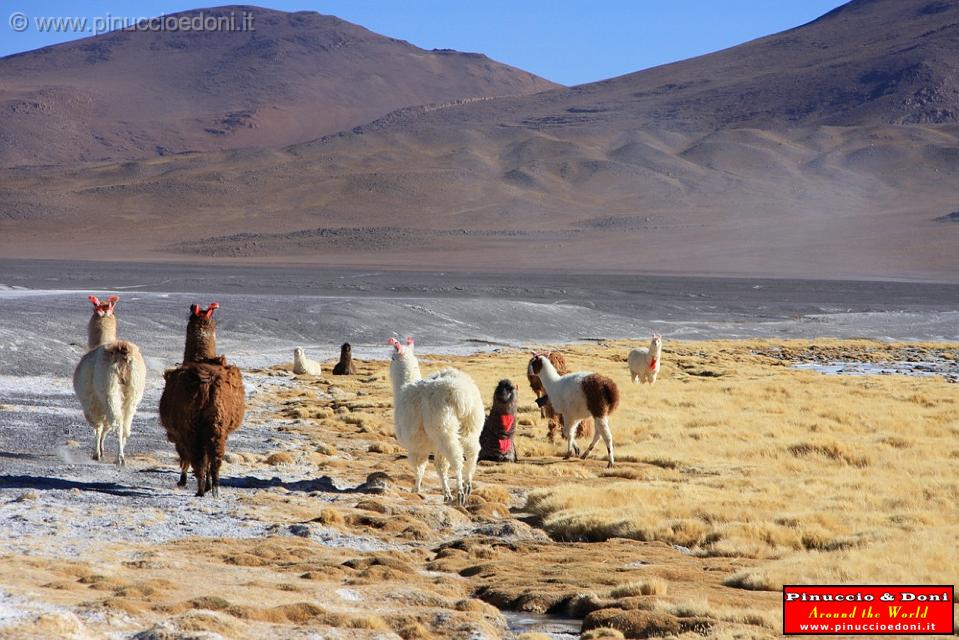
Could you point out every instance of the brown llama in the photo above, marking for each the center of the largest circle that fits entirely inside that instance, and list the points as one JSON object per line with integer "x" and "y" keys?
{"x": 345, "y": 366}
{"x": 202, "y": 403}
{"x": 554, "y": 422}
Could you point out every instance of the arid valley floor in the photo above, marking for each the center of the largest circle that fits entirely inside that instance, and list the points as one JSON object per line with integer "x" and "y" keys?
{"x": 737, "y": 472}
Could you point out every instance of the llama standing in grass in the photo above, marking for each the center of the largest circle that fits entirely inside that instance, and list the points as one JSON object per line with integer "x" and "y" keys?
{"x": 644, "y": 362}
{"x": 554, "y": 420}
{"x": 578, "y": 396}
{"x": 202, "y": 403}
{"x": 302, "y": 364}
{"x": 110, "y": 378}
{"x": 442, "y": 415}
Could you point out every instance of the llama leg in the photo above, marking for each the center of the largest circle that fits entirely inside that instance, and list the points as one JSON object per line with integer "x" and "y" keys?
{"x": 569, "y": 430}
{"x": 470, "y": 456}
{"x": 127, "y": 429}
{"x": 99, "y": 433}
{"x": 442, "y": 470}
{"x": 419, "y": 462}
{"x": 184, "y": 465}
{"x": 602, "y": 427}
{"x": 215, "y": 476}
{"x": 597, "y": 432}
{"x": 121, "y": 441}
{"x": 200, "y": 469}
{"x": 451, "y": 449}
{"x": 633, "y": 376}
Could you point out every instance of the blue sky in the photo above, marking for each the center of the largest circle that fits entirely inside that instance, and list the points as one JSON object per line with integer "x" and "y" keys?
{"x": 567, "y": 41}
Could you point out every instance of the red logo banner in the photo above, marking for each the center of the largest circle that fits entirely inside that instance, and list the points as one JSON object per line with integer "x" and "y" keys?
{"x": 868, "y": 609}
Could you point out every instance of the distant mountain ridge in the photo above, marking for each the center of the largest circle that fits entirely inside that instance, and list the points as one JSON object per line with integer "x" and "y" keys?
{"x": 828, "y": 150}
{"x": 133, "y": 94}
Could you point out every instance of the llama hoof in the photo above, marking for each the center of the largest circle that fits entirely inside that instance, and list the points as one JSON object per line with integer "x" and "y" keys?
{"x": 609, "y": 465}
{"x": 215, "y": 491}
{"x": 584, "y": 456}
{"x": 199, "y": 493}
{"x": 182, "y": 481}
{"x": 461, "y": 498}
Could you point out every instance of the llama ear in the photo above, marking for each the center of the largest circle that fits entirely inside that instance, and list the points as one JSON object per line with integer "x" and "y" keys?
{"x": 195, "y": 310}
{"x": 94, "y": 300}
{"x": 209, "y": 310}
{"x": 547, "y": 354}
{"x": 113, "y": 299}
{"x": 395, "y": 344}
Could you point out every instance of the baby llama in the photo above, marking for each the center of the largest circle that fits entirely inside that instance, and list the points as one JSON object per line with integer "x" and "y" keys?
{"x": 110, "y": 378}
{"x": 578, "y": 396}
{"x": 644, "y": 362}
{"x": 441, "y": 414}
{"x": 202, "y": 403}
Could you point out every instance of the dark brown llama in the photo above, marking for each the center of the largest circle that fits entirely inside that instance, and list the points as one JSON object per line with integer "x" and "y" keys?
{"x": 345, "y": 366}
{"x": 202, "y": 403}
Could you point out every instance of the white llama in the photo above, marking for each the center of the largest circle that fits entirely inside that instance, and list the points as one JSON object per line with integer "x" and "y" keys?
{"x": 442, "y": 415}
{"x": 110, "y": 379}
{"x": 644, "y": 362}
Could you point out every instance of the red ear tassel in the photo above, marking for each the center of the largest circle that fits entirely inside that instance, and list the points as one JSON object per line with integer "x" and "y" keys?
{"x": 95, "y": 300}
{"x": 113, "y": 299}
{"x": 195, "y": 309}
{"x": 209, "y": 311}
{"x": 395, "y": 344}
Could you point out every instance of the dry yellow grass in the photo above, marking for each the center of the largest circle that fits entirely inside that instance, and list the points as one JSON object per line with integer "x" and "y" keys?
{"x": 767, "y": 474}
{"x": 823, "y": 477}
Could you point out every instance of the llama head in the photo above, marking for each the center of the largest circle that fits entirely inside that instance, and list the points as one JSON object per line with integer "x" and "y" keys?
{"x": 505, "y": 394}
{"x": 205, "y": 314}
{"x": 346, "y": 351}
{"x": 399, "y": 351}
{"x": 657, "y": 341}
{"x": 403, "y": 365}
{"x": 298, "y": 352}
{"x": 201, "y": 333}
{"x": 536, "y": 363}
{"x": 103, "y": 309}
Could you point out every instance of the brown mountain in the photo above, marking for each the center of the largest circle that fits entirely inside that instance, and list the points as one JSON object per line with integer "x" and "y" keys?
{"x": 830, "y": 150}
{"x": 295, "y": 76}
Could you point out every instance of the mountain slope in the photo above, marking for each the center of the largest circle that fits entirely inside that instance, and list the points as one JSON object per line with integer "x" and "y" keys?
{"x": 296, "y": 76}
{"x": 716, "y": 173}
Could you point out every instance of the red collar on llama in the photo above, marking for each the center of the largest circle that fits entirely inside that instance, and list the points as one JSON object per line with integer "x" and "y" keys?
{"x": 652, "y": 363}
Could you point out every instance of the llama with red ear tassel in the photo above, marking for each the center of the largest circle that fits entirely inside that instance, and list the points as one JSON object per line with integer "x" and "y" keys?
{"x": 203, "y": 402}
{"x": 110, "y": 378}
{"x": 644, "y": 363}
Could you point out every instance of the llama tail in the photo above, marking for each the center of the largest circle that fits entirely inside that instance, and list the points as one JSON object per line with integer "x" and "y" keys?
{"x": 122, "y": 355}
{"x": 611, "y": 393}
